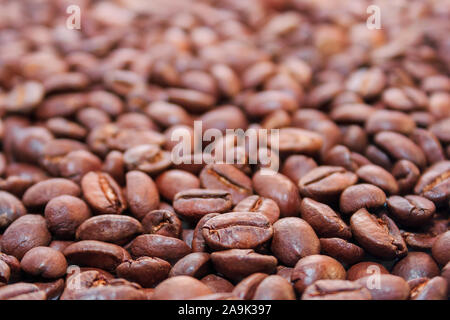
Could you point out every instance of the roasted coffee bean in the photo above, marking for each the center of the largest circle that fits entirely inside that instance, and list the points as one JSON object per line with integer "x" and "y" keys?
{"x": 25, "y": 233}
{"x": 145, "y": 271}
{"x": 112, "y": 228}
{"x": 274, "y": 288}
{"x": 324, "y": 220}
{"x": 152, "y": 245}
{"x": 17, "y": 289}
{"x": 102, "y": 193}
{"x": 236, "y": 264}
{"x": 342, "y": 250}
{"x": 168, "y": 114}
{"x": 262, "y": 103}
{"x": 60, "y": 245}
{"x": 24, "y": 97}
{"x": 388, "y": 287}
{"x": 197, "y": 265}
{"x": 162, "y": 222}
{"x": 198, "y": 241}
{"x": 44, "y": 262}
{"x": 293, "y": 239}
{"x": 141, "y": 193}
{"x": 193, "y": 204}
{"x": 237, "y": 230}
{"x": 280, "y": 189}
{"x": 325, "y": 182}
{"x": 336, "y": 290}
{"x": 406, "y": 173}
{"x": 97, "y": 254}
{"x": 11, "y": 208}
{"x": 5, "y": 273}
{"x": 148, "y": 158}
{"x": 217, "y": 284}
{"x": 430, "y": 289}
{"x": 412, "y": 211}
{"x": 294, "y": 140}
{"x": 365, "y": 269}
{"x": 226, "y": 177}
{"x": 440, "y": 248}
{"x": 247, "y": 287}
{"x": 42, "y": 192}
{"x": 387, "y": 120}
{"x": 265, "y": 206}
{"x": 13, "y": 264}
{"x": 404, "y": 98}
{"x": 429, "y": 144}
{"x": 64, "y": 214}
{"x": 315, "y": 267}
{"x": 434, "y": 182}
{"x": 115, "y": 166}
{"x": 296, "y": 166}
{"x": 360, "y": 196}
{"x": 379, "y": 177}
{"x": 171, "y": 182}
{"x": 378, "y": 236}
{"x": 416, "y": 265}
{"x": 354, "y": 138}
{"x": 180, "y": 288}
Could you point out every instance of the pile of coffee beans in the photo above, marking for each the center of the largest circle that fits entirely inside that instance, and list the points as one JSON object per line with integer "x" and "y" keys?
{"x": 93, "y": 205}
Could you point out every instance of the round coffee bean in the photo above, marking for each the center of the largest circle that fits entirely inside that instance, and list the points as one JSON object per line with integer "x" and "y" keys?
{"x": 365, "y": 269}
{"x": 360, "y": 196}
{"x": 412, "y": 211}
{"x": 146, "y": 271}
{"x": 180, "y": 288}
{"x": 430, "y": 289}
{"x": 141, "y": 193}
{"x": 386, "y": 287}
{"x": 45, "y": 262}
{"x": 265, "y": 206}
{"x": 171, "y": 182}
{"x": 274, "y": 288}
{"x": 152, "y": 245}
{"x": 440, "y": 248}
{"x": 42, "y": 192}
{"x": 416, "y": 265}
{"x": 434, "y": 182}
{"x": 336, "y": 290}
{"x": 379, "y": 177}
{"x": 197, "y": 265}
{"x": 217, "y": 284}
{"x": 342, "y": 250}
{"x": 11, "y": 208}
{"x": 162, "y": 222}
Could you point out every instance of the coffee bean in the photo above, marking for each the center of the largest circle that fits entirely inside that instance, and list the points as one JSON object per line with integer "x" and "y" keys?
{"x": 196, "y": 265}
{"x": 379, "y": 177}
{"x": 64, "y": 214}
{"x": 406, "y": 173}
{"x": 44, "y": 262}
{"x": 296, "y": 166}
{"x": 280, "y": 189}
{"x": 386, "y": 120}
{"x": 112, "y": 228}
{"x": 341, "y": 250}
{"x": 97, "y": 254}
{"x": 171, "y": 182}
{"x": 365, "y": 269}
{"x": 193, "y": 204}
{"x": 325, "y": 182}
{"x": 180, "y": 288}
{"x": 294, "y": 140}
{"x": 265, "y": 206}
{"x": 25, "y": 233}
{"x": 217, "y": 284}
{"x": 316, "y": 267}
{"x": 434, "y": 182}
{"x": 162, "y": 222}
{"x": 440, "y": 248}
{"x": 293, "y": 239}
{"x": 198, "y": 241}
{"x": 324, "y": 220}
{"x": 378, "y": 236}
{"x": 42, "y": 192}
{"x": 148, "y": 158}
{"x": 430, "y": 289}
{"x": 237, "y": 230}
{"x": 336, "y": 290}
{"x": 416, "y": 265}
{"x": 360, "y": 196}
{"x": 141, "y": 193}
{"x": 102, "y": 193}
{"x": 152, "y": 245}
{"x": 274, "y": 288}
{"x": 145, "y": 271}
{"x": 411, "y": 210}
{"x": 11, "y": 208}
{"x": 236, "y": 264}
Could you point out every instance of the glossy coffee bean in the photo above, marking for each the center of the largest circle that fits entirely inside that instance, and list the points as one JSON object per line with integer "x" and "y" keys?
{"x": 197, "y": 265}
{"x": 171, "y": 182}
{"x": 11, "y": 208}
{"x": 162, "y": 222}
{"x": 41, "y": 193}
{"x": 365, "y": 269}
{"x": 434, "y": 182}
{"x": 141, "y": 193}
{"x": 440, "y": 249}
{"x": 416, "y": 265}
{"x": 342, "y": 250}
{"x": 217, "y": 284}
{"x": 44, "y": 262}
{"x": 360, "y": 196}
{"x": 152, "y": 245}
{"x": 265, "y": 206}
{"x": 430, "y": 289}
{"x": 412, "y": 211}
{"x": 180, "y": 288}
{"x": 336, "y": 290}
{"x": 274, "y": 288}
{"x": 145, "y": 271}
{"x": 379, "y": 177}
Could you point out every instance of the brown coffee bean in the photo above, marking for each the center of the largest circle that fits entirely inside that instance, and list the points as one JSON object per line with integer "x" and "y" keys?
{"x": 226, "y": 177}
{"x": 429, "y": 289}
{"x": 62, "y": 127}
{"x": 379, "y": 177}
{"x": 198, "y": 241}
{"x": 406, "y": 173}
{"x": 44, "y": 262}
{"x": 11, "y": 208}
{"x": 180, "y": 288}
{"x": 353, "y": 113}
{"x": 42, "y": 192}
{"x": 105, "y": 101}
{"x": 23, "y": 234}
{"x": 440, "y": 248}
{"x": 416, "y": 265}
{"x": 112, "y": 228}
{"x": 412, "y": 211}
{"x": 236, "y": 264}
{"x": 5, "y": 273}
{"x": 365, "y": 269}
{"x": 274, "y": 288}
{"x": 197, "y": 265}
{"x": 293, "y": 239}
{"x": 378, "y": 236}
{"x": 341, "y": 250}
{"x": 326, "y": 182}
{"x": 162, "y": 222}
{"x": 367, "y": 82}
{"x": 296, "y": 166}
{"x": 263, "y": 103}
{"x": 148, "y": 158}
{"x": 217, "y": 284}
{"x": 387, "y": 120}
{"x": 152, "y": 245}
{"x": 168, "y": 114}
{"x": 102, "y": 193}
{"x": 336, "y": 290}
{"x": 247, "y": 287}
{"x": 404, "y": 98}
{"x": 141, "y": 193}
{"x": 429, "y": 144}
{"x": 315, "y": 267}
{"x": 171, "y": 182}
{"x": 64, "y": 214}
{"x": 192, "y": 100}
{"x": 227, "y": 81}
{"x": 280, "y": 189}
{"x": 115, "y": 166}
{"x": 360, "y": 196}
{"x": 145, "y": 271}
{"x": 193, "y": 204}
{"x": 434, "y": 182}
{"x": 294, "y": 140}
{"x": 12, "y": 263}
{"x": 60, "y": 245}
{"x": 237, "y": 230}
{"x": 17, "y": 289}
{"x": 265, "y": 206}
